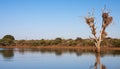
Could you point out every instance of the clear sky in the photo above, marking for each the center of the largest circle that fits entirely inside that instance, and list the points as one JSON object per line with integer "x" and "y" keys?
{"x": 48, "y": 19}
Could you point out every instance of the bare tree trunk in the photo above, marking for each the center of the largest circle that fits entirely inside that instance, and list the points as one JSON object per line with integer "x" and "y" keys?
{"x": 99, "y": 40}
{"x": 97, "y": 44}
{"x": 98, "y": 49}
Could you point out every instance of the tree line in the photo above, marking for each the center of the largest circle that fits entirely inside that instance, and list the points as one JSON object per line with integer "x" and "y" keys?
{"x": 9, "y": 40}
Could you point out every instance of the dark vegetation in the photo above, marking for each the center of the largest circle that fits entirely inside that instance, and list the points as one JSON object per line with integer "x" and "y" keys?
{"x": 9, "y": 40}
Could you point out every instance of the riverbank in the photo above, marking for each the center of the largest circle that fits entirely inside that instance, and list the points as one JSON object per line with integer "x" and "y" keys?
{"x": 63, "y": 47}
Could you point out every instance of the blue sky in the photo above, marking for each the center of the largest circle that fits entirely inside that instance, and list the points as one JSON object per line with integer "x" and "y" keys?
{"x": 48, "y": 19}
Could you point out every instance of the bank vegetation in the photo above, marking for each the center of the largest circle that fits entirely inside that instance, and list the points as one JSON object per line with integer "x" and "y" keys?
{"x": 9, "y": 40}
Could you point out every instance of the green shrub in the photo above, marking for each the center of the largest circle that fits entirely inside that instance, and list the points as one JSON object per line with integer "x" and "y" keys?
{"x": 7, "y": 40}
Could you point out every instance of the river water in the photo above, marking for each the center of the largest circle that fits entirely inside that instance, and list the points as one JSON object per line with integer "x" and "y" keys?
{"x": 58, "y": 59}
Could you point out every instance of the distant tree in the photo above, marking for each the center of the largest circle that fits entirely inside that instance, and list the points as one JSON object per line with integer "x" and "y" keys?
{"x": 58, "y": 40}
{"x": 71, "y": 42}
{"x": 7, "y": 40}
{"x": 9, "y": 37}
{"x": 78, "y": 39}
{"x": 42, "y": 42}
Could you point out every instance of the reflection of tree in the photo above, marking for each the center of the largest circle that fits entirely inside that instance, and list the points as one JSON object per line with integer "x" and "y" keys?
{"x": 58, "y": 52}
{"x": 22, "y": 50}
{"x": 7, "y": 53}
{"x": 98, "y": 64}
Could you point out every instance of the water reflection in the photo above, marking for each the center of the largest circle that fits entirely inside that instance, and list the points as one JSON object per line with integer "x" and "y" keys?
{"x": 68, "y": 58}
{"x": 7, "y": 53}
{"x": 98, "y": 64}
{"x": 57, "y": 52}
{"x": 78, "y": 52}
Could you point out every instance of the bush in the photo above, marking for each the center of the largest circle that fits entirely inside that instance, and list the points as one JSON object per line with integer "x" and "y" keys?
{"x": 21, "y": 42}
{"x": 116, "y": 42}
{"x": 10, "y": 37}
{"x": 7, "y": 40}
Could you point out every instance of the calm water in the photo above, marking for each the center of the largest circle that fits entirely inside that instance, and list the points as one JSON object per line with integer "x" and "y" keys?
{"x": 58, "y": 59}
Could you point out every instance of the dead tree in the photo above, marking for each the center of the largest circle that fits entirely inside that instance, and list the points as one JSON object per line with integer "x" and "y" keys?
{"x": 106, "y": 20}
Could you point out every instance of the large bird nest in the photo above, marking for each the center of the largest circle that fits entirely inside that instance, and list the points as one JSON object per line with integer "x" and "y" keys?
{"x": 106, "y": 19}
{"x": 89, "y": 20}
{"x": 105, "y": 15}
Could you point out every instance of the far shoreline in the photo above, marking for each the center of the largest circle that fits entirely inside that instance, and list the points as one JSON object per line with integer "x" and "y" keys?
{"x": 62, "y": 47}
